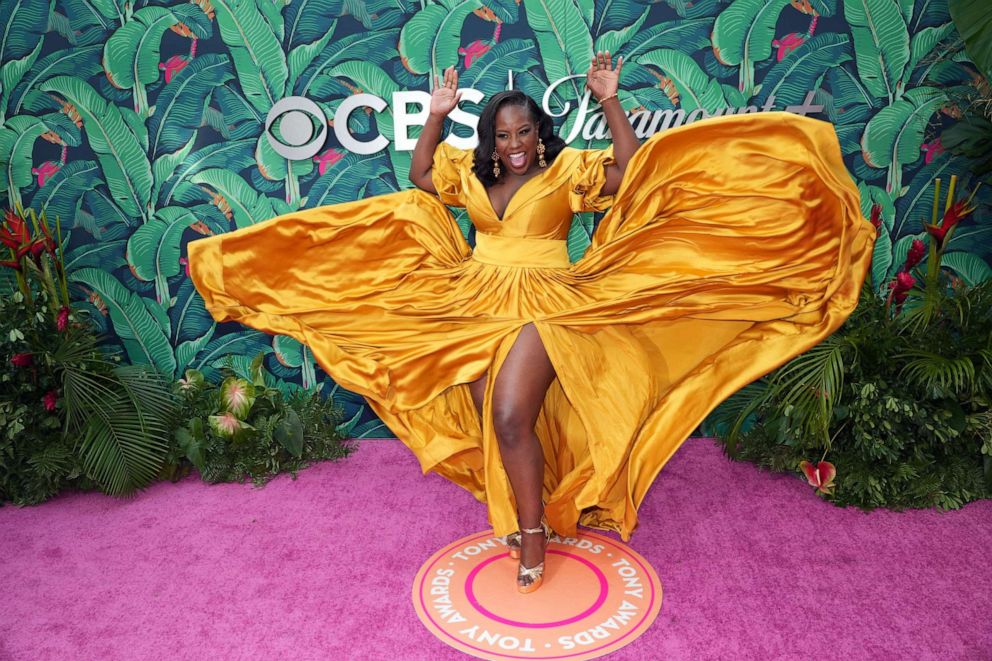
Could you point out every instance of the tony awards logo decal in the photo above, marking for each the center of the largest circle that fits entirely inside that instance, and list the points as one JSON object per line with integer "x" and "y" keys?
{"x": 598, "y": 595}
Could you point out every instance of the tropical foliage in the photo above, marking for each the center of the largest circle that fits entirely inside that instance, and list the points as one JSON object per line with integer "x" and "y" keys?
{"x": 74, "y": 414}
{"x": 972, "y": 136}
{"x": 68, "y": 411}
{"x": 895, "y": 409}
{"x": 143, "y": 124}
{"x": 248, "y": 429}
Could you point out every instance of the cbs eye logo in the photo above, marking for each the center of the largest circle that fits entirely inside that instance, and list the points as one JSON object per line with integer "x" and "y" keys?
{"x": 296, "y": 128}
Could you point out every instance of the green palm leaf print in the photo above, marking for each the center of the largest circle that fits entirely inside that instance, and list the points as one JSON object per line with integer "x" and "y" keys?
{"x": 563, "y": 37}
{"x": 134, "y": 318}
{"x": 742, "y": 36}
{"x": 257, "y": 54}
{"x": 111, "y": 135}
{"x": 881, "y": 44}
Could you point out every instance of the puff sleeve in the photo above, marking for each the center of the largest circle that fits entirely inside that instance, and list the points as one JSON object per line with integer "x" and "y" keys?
{"x": 450, "y": 163}
{"x": 588, "y": 178}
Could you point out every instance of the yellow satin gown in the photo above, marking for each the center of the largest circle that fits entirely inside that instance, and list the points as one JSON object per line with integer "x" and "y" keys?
{"x": 732, "y": 245}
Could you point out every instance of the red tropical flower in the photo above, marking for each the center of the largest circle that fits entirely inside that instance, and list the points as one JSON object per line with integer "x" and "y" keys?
{"x": 327, "y": 159}
{"x": 789, "y": 43}
{"x": 172, "y": 66}
{"x": 50, "y": 399}
{"x": 42, "y": 243}
{"x": 876, "y": 215}
{"x": 62, "y": 320}
{"x": 901, "y": 285}
{"x": 916, "y": 251}
{"x": 955, "y": 213}
{"x": 14, "y": 234}
{"x": 937, "y": 232}
{"x": 22, "y": 360}
{"x": 45, "y": 171}
{"x": 820, "y": 476}
{"x": 952, "y": 217}
{"x": 17, "y": 266}
{"x": 474, "y": 51}
{"x": 931, "y": 150}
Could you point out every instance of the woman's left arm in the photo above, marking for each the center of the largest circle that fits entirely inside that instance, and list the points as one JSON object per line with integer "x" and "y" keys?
{"x": 604, "y": 82}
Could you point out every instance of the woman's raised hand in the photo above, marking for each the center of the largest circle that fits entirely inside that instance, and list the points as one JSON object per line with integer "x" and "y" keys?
{"x": 602, "y": 79}
{"x": 445, "y": 96}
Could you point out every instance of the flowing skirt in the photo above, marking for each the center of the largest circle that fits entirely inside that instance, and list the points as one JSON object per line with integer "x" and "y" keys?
{"x": 734, "y": 244}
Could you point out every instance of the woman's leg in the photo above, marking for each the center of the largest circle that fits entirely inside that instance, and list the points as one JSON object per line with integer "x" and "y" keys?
{"x": 518, "y": 394}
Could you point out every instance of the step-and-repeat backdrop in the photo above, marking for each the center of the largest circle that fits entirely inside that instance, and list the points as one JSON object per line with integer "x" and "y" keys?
{"x": 144, "y": 124}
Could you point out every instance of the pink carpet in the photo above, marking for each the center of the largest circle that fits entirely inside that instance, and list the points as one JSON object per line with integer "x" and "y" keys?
{"x": 753, "y": 564}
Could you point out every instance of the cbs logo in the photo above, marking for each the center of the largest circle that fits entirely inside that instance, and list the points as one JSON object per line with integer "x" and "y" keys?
{"x": 296, "y": 128}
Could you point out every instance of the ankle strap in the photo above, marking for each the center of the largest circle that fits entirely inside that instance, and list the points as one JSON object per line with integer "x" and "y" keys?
{"x": 533, "y": 530}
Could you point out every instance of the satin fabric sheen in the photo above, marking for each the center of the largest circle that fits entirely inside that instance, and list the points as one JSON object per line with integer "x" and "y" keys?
{"x": 733, "y": 245}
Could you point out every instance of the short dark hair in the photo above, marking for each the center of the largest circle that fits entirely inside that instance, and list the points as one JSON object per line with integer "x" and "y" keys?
{"x": 483, "y": 166}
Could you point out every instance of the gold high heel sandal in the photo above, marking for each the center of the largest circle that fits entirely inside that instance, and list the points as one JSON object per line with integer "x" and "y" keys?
{"x": 513, "y": 541}
{"x": 513, "y": 545}
{"x": 536, "y": 573}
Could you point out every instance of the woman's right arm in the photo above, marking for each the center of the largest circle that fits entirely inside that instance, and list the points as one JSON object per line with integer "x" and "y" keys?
{"x": 444, "y": 98}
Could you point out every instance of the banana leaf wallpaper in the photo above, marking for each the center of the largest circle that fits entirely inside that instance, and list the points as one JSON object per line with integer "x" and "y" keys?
{"x": 145, "y": 124}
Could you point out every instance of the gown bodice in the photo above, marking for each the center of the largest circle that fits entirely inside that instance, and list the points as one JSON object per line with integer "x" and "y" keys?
{"x": 542, "y": 208}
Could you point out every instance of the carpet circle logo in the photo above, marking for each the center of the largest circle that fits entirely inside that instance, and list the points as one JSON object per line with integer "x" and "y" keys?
{"x": 598, "y": 595}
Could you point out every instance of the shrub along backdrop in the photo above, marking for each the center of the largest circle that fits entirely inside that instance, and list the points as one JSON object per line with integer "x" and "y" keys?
{"x": 143, "y": 125}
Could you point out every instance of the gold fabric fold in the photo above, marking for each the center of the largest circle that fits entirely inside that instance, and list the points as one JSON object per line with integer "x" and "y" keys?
{"x": 734, "y": 244}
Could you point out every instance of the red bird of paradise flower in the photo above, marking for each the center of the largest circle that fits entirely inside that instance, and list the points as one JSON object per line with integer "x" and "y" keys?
{"x": 172, "y": 66}
{"x": 876, "y": 215}
{"x": 474, "y": 51}
{"x": 789, "y": 43}
{"x": 15, "y": 235}
{"x": 327, "y": 159}
{"x": 820, "y": 476}
{"x": 45, "y": 171}
{"x": 793, "y": 40}
{"x": 952, "y": 217}
{"x": 931, "y": 150}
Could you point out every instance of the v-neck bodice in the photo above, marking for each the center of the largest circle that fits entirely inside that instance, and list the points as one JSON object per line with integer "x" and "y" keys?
{"x": 542, "y": 207}
{"x": 513, "y": 195}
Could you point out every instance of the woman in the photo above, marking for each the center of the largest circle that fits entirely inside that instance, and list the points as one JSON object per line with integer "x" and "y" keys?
{"x": 516, "y": 143}
{"x": 730, "y": 246}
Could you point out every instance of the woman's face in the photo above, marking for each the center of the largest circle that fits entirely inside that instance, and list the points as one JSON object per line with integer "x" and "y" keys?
{"x": 516, "y": 138}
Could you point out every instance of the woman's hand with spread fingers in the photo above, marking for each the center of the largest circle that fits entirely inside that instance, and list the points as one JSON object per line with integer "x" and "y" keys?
{"x": 445, "y": 96}
{"x": 602, "y": 79}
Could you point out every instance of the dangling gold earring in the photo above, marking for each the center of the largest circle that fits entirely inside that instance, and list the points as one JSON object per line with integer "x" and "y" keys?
{"x": 540, "y": 154}
{"x": 495, "y": 164}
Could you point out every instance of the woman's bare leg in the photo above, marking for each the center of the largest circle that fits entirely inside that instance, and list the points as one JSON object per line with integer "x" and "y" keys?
{"x": 518, "y": 394}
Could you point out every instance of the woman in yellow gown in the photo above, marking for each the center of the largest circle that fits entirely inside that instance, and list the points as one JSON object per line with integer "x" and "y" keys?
{"x": 730, "y": 246}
